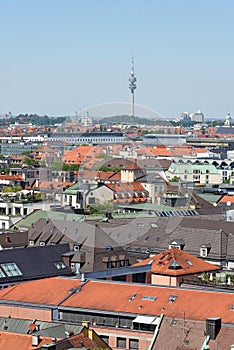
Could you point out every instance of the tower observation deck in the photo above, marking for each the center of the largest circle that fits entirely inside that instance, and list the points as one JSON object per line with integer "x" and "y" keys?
{"x": 132, "y": 86}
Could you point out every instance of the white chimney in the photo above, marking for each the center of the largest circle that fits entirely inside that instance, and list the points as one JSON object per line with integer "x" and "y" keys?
{"x": 35, "y": 340}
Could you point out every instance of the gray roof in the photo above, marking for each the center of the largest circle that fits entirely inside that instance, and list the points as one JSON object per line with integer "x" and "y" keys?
{"x": 46, "y": 329}
{"x": 92, "y": 239}
{"x": 32, "y": 263}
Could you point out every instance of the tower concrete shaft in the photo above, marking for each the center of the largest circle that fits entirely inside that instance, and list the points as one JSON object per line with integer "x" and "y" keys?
{"x": 132, "y": 87}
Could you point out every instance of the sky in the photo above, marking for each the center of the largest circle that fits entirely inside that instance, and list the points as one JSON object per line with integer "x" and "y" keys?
{"x": 62, "y": 56}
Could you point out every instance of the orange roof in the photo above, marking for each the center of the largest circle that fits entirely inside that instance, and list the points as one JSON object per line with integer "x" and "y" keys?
{"x": 169, "y": 151}
{"x": 45, "y": 291}
{"x": 11, "y": 177}
{"x": 95, "y": 295}
{"x": 12, "y": 341}
{"x": 177, "y": 262}
{"x": 55, "y": 185}
{"x": 226, "y": 199}
{"x": 77, "y": 155}
{"x": 126, "y": 187}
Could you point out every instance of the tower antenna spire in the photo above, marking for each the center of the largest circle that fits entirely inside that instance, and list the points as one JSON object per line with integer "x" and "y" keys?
{"x": 132, "y": 86}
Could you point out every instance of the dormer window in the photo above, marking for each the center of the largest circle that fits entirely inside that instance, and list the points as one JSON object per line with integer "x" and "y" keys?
{"x": 205, "y": 249}
{"x": 178, "y": 243}
{"x": 203, "y": 252}
{"x": 31, "y": 242}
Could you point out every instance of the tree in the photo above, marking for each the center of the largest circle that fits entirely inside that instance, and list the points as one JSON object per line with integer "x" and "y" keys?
{"x": 101, "y": 208}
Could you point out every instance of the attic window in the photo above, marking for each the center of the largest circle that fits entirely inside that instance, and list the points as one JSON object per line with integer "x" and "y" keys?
{"x": 64, "y": 229}
{"x": 174, "y": 265}
{"x": 11, "y": 269}
{"x": 153, "y": 225}
{"x": 60, "y": 265}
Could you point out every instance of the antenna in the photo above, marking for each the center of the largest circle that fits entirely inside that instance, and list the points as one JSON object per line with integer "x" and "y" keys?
{"x": 132, "y": 85}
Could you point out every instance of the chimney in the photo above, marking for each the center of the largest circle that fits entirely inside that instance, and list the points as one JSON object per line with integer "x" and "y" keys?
{"x": 85, "y": 324}
{"x": 35, "y": 340}
{"x": 7, "y": 239}
{"x": 213, "y": 326}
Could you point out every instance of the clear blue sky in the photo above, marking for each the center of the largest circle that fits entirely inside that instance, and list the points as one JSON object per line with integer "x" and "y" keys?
{"x": 59, "y": 56}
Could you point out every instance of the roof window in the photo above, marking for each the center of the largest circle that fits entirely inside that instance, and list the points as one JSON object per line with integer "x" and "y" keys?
{"x": 11, "y": 269}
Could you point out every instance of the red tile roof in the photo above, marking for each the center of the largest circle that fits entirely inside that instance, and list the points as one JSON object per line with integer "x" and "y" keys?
{"x": 111, "y": 296}
{"x": 46, "y": 291}
{"x": 11, "y": 177}
{"x": 126, "y": 187}
{"x": 12, "y": 341}
{"x": 226, "y": 199}
{"x": 177, "y": 262}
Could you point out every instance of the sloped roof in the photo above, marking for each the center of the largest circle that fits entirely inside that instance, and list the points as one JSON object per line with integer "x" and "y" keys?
{"x": 34, "y": 262}
{"x": 176, "y": 262}
{"x": 92, "y": 240}
{"x": 110, "y": 296}
{"x": 126, "y": 187}
{"x": 226, "y": 199}
{"x": 12, "y": 341}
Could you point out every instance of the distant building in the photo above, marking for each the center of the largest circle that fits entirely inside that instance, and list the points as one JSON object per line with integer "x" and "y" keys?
{"x": 86, "y": 120}
{"x": 185, "y": 118}
{"x": 228, "y": 121}
{"x": 202, "y": 174}
{"x": 16, "y": 148}
{"x": 161, "y": 139}
{"x": 197, "y": 117}
{"x": 100, "y": 137}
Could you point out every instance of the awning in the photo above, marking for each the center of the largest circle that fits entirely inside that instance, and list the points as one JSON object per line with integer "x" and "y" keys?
{"x": 145, "y": 319}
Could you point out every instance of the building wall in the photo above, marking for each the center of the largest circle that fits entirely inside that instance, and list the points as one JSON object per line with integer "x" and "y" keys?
{"x": 144, "y": 338}
{"x": 25, "y": 313}
{"x": 164, "y": 280}
{"x": 101, "y": 195}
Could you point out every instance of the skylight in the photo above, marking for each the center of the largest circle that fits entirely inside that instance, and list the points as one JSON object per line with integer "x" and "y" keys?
{"x": 174, "y": 265}
{"x": 189, "y": 262}
{"x": 2, "y": 275}
{"x": 11, "y": 269}
{"x": 60, "y": 265}
{"x": 149, "y": 297}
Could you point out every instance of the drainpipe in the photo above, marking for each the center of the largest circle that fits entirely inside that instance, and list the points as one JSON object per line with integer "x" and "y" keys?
{"x": 205, "y": 345}
{"x": 156, "y": 332}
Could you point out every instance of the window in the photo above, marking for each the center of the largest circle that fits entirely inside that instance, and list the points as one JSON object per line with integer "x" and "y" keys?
{"x": 105, "y": 338}
{"x": 11, "y": 269}
{"x": 60, "y": 265}
{"x": 133, "y": 344}
{"x": 203, "y": 252}
{"x": 121, "y": 343}
{"x": 2, "y": 274}
{"x": 91, "y": 200}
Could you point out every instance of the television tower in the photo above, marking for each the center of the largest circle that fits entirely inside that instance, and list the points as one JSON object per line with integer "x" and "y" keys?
{"x": 132, "y": 86}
